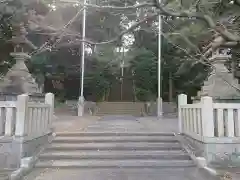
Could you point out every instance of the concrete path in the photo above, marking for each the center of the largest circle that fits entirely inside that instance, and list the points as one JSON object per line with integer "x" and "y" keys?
{"x": 118, "y": 124}
{"x": 73, "y": 123}
{"x": 121, "y": 174}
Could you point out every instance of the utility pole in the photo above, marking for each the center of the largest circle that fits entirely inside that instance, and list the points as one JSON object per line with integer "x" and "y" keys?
{"x": 122, "y": 72}
{"x": 170, "y": 92}
{"x": 81, "y": 97}
{"x": 159, "y": 99}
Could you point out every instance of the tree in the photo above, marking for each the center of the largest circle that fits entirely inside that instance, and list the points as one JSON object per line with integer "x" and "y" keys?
{"x": 144, "y": 67}
{"x": 99, "y": 77}
{"x": 189, "y": 25}
{"x": 185, "y": 78}
{"x": 6, "y": 48}
{"x": 178, "y": 12}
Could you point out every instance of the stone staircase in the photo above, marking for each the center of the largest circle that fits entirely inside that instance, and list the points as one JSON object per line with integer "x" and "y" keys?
{"x": 6, "y": 174}
{"x": 120, "y": 108}
{"x": 65, "y": 109}
{"x": 114, "y": 150}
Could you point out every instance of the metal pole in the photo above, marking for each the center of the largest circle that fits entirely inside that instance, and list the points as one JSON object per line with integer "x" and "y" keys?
{"x": 122, "y": 73}
{"x": 83, "y": 46}
{"x": 159, "y": 100}
{"x": 81, "y": 98}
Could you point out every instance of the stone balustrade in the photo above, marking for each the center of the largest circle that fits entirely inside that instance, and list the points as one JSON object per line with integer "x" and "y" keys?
{"x": 23, "y": 118}
{"x": 209, "y": 119}
{"x": 213, "y": 128}
{"x": 25, "y": 128}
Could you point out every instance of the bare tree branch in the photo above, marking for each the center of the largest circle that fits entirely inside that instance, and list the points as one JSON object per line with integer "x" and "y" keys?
{"x": 43, "y": 47}
{"x": 196, "y": 4}
{"x": 210, "y": 22}
{"x": 134, "y": 26}
{"x": 163, "y": 11}
{"x": 231, "y": 44}
{"x": 237, "y": 2}
{"x": 197, "y": 60}
{"x": 121, "y": 7}
{"x": 203, "y": 58}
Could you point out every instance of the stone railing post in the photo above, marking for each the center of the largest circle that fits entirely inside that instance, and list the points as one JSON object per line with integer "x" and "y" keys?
{"x": 21, "y": 115}
{"x": 207, "y": 116}
{"x": 49, "y": 99}
{"x": 182, "y": 100}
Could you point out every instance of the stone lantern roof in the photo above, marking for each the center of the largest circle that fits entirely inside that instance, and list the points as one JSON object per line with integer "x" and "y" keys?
{"x": 19, "y": 39}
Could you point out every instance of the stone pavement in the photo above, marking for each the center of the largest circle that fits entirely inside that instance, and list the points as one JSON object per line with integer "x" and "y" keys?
{"x": 72, "y": 123}
{"x": 118, "y": 124}
{"x": 121, "y": 174}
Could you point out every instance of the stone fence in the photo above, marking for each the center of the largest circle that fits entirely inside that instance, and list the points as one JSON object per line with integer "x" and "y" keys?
{"x": 24, "y": 128}
{"x": 36, "y": 97}
{"x": 213, "y": 129}
{"x": 150, "y": 108}
{"x": 90, "y": 107}
{"x": 167, "y": 108}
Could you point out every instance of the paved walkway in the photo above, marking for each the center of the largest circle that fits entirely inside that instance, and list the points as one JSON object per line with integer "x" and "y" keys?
{"x": 73, "y": 123}
{"x": 120, "y": 124}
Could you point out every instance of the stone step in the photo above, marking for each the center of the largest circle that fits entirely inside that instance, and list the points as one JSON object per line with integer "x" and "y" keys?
{"x": 110, "y": 125}
{"x": 114, "y": 146}
{"x": 117, "y": 113}
{"x": 114, "y": 163}
{"x": 127, "y": 107}
{"x": 114, "y": 112}
{"x": 120, "y": 112}
{"x": 106, "y": 114}
{"x": 5, "y": 174}
{"x": 121, "y": 103}
{"x": 98, "y": 139}
{"x": 114, "y": 134}
{"x": 4, "y": 177}
{"x": 117, "y": 155}
{"x": 131, "y": 108}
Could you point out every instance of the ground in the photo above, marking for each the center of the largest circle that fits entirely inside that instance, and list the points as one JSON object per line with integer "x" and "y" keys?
{"x": 122, "y": 174}
{"x": 123, "y": 124}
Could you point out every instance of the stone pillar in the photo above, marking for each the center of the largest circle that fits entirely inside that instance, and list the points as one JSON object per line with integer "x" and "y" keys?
{"x": 49, "y": 99}
{"x": 207, "y": 115}
{"x": 182, "y": 100}
{"x": 81, "y": 106}
{"x": 21, "y": 119}
{"x": 159, "y": 107}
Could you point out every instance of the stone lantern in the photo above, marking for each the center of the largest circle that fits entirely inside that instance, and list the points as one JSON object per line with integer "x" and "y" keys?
{"x": 221, "y": 84}
{"x": 18, "y": 80}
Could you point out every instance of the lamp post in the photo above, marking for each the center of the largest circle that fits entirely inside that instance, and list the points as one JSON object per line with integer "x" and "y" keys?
{"x": 159, "y": 99}
{"x": 122, "y": 72}
{"x": 81, "y": 97}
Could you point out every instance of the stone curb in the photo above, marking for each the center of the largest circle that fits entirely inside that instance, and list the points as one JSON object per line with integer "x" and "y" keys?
{"x": 27, "y": 164}
{"x": 199, "y": 161}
